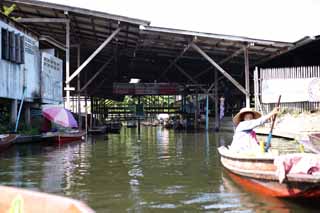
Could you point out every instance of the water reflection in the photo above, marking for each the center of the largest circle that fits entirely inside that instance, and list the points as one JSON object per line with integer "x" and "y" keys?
{"x": 157, "y": 171}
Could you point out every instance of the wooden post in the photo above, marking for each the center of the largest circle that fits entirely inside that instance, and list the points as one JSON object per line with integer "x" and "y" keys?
{"x": 27, "y": 115}
{"x": 207, "y": 113}
{"x": 14, "y": 111}
{"x": 216, "y": 102}
{"x": 196, "y": 117}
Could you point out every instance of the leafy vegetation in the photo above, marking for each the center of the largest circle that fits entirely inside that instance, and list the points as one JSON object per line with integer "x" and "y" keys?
{"x": 8, "y": 10}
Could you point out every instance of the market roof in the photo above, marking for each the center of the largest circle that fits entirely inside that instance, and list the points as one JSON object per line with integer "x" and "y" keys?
{"x": 140, "y": 50}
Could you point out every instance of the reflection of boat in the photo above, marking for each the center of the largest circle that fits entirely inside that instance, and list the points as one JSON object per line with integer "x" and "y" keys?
{"x": 6, "y": 141}
{"x": 65, "y": 137}
{"x": 260, "y": 173}
{"x": 97, "y": 130}
{"x": 21, "y": 200}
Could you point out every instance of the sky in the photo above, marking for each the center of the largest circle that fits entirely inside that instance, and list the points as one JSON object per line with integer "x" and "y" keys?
{"x": 281, "y": 20}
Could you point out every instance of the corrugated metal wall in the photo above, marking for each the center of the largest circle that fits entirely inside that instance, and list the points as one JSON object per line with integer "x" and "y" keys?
{"x": 14, "y": 76}
{"x": 290, "y": 73}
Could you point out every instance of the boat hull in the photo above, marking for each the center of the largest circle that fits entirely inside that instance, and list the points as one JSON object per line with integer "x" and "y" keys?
{"x": 69, "y": 137}
{"x": 259, "y": 175}
{"x": 31, "y": 201}
{"x": 6, "y": 142}
{"x": 315, "y": 141}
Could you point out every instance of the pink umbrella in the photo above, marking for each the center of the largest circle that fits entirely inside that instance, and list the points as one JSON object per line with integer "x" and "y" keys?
{"x": 60, "y": 116}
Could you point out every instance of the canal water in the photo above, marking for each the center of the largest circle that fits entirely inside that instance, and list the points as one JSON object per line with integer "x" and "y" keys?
{"x": 159, "y": 171}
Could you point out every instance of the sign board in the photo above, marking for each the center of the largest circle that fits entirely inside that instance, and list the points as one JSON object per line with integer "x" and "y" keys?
{"x": 146, "y": 89}
{"x": 291, "y": 90}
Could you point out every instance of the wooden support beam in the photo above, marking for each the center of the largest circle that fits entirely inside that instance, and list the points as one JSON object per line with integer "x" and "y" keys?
{"x": 175, "y": 60}
{"x": 96, "y": 74}
{"x": 223, "y": 72}
{"x": 84, "y": 64}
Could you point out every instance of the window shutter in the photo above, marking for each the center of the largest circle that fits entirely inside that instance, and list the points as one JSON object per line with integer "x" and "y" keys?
{"x": 17, "y": 50}
{"x": 5, "y": 44}
{"x": 12, "y": 45}
{"x": 22, "y": 49}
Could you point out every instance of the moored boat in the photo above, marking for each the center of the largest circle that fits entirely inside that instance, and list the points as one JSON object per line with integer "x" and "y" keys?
{"x": 260, "y": 173}
{"x": 6, "y": 141}
{"x": 314, "y": 139}
{"x": 21, "y": 200}
{"x": 65, "y": 137}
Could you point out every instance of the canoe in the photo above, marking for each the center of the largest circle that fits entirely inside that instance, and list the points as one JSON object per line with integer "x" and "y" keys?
{"x": 21, "y": 200}
{"x": 66, "y": 137}
{"x": 6, "y": 141}
{"x": 259, "y": 174}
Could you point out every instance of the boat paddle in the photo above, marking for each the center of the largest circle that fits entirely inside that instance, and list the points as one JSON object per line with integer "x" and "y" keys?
{"x": 272, "y": 125}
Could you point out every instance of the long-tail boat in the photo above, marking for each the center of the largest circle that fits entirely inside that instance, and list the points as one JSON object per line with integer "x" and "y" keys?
{"x": 259, "y": 173}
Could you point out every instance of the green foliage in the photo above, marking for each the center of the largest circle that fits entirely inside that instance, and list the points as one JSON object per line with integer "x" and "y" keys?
{"x": 8, "y": 10}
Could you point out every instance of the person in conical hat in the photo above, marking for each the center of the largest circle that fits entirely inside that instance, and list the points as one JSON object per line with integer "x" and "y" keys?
{"x": 244, "y": 139}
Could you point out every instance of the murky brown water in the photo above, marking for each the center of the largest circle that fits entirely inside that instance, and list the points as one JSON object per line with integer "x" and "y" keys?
{"x": 162, "y": 171}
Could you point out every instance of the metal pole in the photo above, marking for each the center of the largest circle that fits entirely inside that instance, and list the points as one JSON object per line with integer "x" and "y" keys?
{"x": 207, "y": 112}
{"x": 247, "y": 80}
{"x": 67, "y": 105}
{"x": 78, "y": 88}
{"x": 256, "y": 86}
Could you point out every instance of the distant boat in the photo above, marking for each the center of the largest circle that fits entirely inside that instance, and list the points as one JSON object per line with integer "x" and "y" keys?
{"x": 259, "y": 174}
{"x": 97, "y": 130}
{"x": 21, "y": 200}
{"x": 6, "y": 141}
{"x": 131, "y": 124}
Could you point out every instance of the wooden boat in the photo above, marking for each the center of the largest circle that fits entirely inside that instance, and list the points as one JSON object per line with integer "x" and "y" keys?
{"x": 65, "y": 137}
{"x": 314, "y": 139}
{"x": 21, "y": 200}
{"x": 6, "y": 141}
{"x": 259, "y": 174}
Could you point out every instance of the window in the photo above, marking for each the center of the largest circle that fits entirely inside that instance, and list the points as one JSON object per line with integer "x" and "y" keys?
{"x": 5, "y": 44}
{"x": 12, "y": 46}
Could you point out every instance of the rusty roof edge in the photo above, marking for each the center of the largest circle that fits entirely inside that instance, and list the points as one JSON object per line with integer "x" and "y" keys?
{"x": 217, "y": 36}
{"x": 81, "y": 11}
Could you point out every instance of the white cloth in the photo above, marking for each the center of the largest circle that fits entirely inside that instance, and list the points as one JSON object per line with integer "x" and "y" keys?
{"x": 244, "y": 137}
